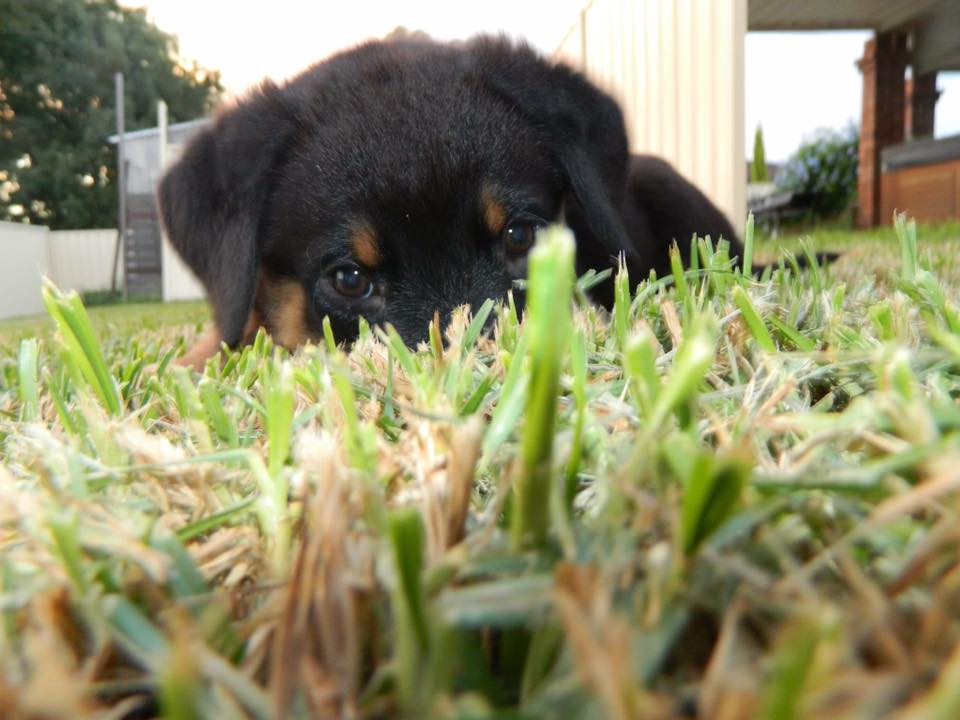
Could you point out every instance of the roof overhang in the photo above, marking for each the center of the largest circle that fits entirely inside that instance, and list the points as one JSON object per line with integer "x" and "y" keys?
{"x": 935, "y": 23}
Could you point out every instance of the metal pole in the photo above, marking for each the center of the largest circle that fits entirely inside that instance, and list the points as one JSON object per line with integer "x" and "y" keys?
{"x": 121, "y": 183}
{"x": 165, "y": 270}
{"x": 162, "y": 126}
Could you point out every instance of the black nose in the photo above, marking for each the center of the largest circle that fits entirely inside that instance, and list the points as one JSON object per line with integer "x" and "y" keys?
{"x": 519, "y": 301}
{"x": 446, "y": 287}
{"x": 418, "y": 331}
{"x": 489, "y": 324}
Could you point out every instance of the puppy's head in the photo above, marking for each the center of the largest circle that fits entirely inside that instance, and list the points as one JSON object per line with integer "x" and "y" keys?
{"x": 392, "y": 182}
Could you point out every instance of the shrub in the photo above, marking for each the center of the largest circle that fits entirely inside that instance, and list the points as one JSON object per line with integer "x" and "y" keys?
{"x": 96, "y": 298}
{"x": 823, "y": 170}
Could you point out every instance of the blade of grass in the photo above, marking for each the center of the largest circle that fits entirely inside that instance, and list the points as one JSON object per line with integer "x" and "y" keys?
{"x": 578, "y": 366}
{"x": 180, "y": 683}
{"x": 551, "y": 278}
{"x": 509, "y": 409}
{"x": 28, "y": 387}
{"x": 278, "y": 391}
{"x": 215, "y": 520}
{"x": 746, "y": 267}
{"x": 476, "y": 325}
{"x": 694, "y": 357}
{"x": 81, "y": 350}
{"x": 413, "y": 633}
{"x": 752, "y": 319}
{"x": 711, "y": 493}
{"x": 223, "y": 425}
{"x": 906, "y": 231}
{"x": 621, "y": 304}
{"x": 135, "y": 632}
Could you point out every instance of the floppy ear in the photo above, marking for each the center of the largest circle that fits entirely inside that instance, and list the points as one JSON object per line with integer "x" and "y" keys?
{"x": 211, "y": 202}
{"x": 583, "y": 127}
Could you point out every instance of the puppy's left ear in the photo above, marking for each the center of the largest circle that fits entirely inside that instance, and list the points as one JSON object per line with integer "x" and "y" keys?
{"x": 583, "y": 126}
{"x": 212, "y": 200}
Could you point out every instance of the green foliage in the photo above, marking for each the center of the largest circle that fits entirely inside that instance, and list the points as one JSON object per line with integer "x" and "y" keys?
{"x": 57, "y": 62}
{"x": 823, "y": 170}
{"x": 758, "y": 168}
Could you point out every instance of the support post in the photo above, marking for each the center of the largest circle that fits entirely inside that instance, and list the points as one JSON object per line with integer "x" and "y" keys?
{"x": 121, "y": 183}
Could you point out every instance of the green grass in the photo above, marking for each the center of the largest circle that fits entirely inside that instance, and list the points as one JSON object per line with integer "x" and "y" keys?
{"x": 730, "y": 496}
{"x": 111, "y": 321}
{"x": 875, "y": 250}
{"x": 830, "y": 237}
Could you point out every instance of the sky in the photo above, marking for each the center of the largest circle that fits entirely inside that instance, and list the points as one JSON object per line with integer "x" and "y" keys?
{"x": 795, "y": 82}
{"x": 798, "y": 82}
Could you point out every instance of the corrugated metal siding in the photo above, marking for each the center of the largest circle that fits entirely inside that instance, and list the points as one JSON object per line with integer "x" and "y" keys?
{"x": 81, "y": 260}
{"x": 74, "y": 259}
{"x": 676, "y": 67}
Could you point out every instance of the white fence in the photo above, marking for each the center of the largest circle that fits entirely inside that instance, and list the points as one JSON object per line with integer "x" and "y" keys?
{"x": 677, "y": 68}
{"x": 23, "y": 259}
{"x": 78, "y": 260}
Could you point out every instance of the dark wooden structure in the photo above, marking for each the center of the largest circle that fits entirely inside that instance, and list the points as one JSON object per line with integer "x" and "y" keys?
{"x": 142, "y": 262}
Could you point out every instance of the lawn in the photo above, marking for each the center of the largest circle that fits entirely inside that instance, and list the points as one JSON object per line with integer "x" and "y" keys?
{"x": 731, "y": 497}
{"x": 111, "y": 322}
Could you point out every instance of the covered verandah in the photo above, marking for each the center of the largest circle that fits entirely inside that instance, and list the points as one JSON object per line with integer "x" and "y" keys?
{"x": 901, "y": 166}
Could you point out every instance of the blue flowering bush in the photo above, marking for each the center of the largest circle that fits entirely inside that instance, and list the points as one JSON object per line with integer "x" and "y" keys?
{"x": 823, "y": 170}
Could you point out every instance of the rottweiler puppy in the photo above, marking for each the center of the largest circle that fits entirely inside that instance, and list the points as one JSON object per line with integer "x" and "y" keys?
{"x": 408, "y": 177}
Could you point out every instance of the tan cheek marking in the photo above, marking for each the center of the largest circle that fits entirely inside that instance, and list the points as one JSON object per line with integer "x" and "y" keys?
{"x": 365, "y": 247}
{"x": 494, "y": 214}
{"x": 284, "y": 306}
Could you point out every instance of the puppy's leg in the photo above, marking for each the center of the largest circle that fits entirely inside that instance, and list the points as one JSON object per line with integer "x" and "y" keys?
{"x": 662, "y": 207}
{"x": 205, "y": 348}
{"x": 209, "y": 342}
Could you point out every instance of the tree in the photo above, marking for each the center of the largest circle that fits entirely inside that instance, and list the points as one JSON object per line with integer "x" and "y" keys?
{"x": 57, "y": 62}
{"x": 758, "y": 168}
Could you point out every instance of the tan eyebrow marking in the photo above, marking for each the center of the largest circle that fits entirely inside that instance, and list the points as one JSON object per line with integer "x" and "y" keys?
{"x": 494, "y": 213}
{"x": 364, "y": 242}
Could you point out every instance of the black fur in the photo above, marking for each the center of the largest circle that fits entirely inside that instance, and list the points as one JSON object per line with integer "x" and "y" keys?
{"x": 407, "y": 136}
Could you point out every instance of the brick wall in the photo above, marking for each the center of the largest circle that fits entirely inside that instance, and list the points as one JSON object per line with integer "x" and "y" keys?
{"x": 883, "y": 66}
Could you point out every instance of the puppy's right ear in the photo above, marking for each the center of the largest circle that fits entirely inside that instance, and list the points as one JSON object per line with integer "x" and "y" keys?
{"x": 581, "y": 125}
{"x": 212, "y": 199}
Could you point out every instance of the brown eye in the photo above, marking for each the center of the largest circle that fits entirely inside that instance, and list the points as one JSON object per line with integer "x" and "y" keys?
{"x": 352, "y": 283}
{"x": 519, "y": 236}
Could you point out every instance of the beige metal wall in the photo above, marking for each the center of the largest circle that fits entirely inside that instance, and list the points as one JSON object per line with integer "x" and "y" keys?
{"x": 676, "y": 66}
